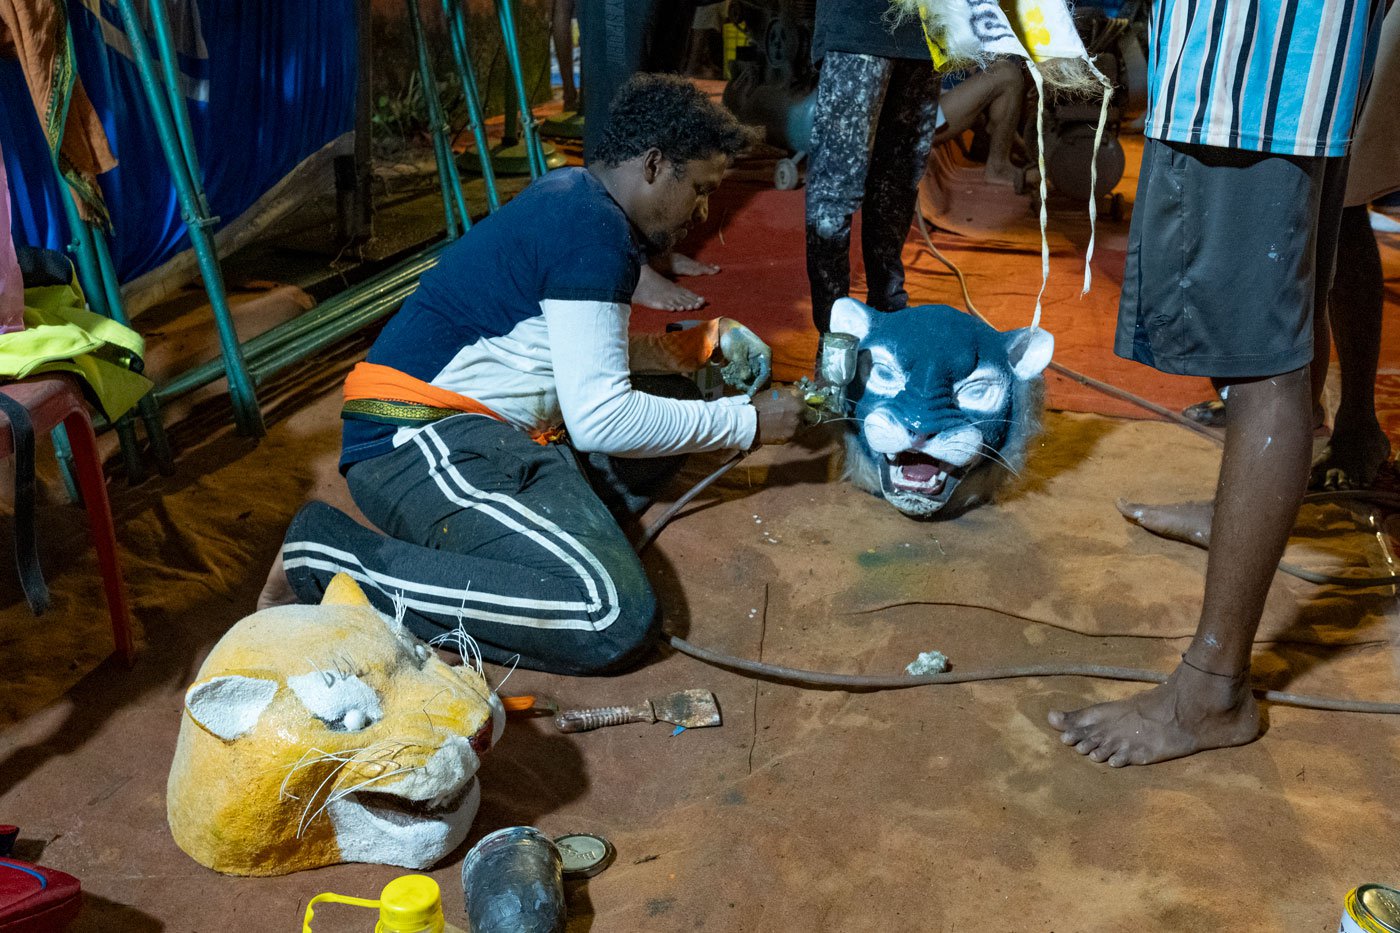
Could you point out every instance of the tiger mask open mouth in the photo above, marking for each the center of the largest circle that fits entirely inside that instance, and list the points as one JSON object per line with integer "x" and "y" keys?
{"x": 945, "y": 405}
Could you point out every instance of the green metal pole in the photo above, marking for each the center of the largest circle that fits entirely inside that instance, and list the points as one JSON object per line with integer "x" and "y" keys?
{"x": 528, "y": 127}
{"x": 148, "y": 406}
{"x": 448, "y": 177}
{"x": 380, "y": 306}
{"x": 170, "y": 72}
{"x": 466, "y": 71}
{"x": 301, "y": 331}
{"x": 247, "y": 415}
{"x": 98, "y": 297}
{"x": 63, "y": 453}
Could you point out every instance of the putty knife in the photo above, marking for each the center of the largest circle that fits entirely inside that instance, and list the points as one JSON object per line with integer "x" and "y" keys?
{"x": 689, "y": 708}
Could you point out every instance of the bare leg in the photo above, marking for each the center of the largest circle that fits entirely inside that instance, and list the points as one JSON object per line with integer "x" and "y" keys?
{"x": 1207, "y": 703}
{"x": 1003, "y": 116}
{"x": 276, "y": 591}
{"x": 1358, "y": 446}
{"x": 998, "y": 91}
{"x": 563, "y": 30}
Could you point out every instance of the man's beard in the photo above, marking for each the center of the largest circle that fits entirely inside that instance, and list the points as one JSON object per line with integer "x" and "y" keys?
{"x": 658, "y": 242}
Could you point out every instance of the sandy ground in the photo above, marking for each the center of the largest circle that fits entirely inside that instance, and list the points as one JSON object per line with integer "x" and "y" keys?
{"x": 948, "y": 808}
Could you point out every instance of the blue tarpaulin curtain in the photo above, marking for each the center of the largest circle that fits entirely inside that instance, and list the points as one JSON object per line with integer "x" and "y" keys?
{"x": 267, "y": 84}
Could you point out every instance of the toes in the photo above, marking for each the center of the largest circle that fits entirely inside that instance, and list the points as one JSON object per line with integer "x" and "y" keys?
{"x": 1119, "y": 759}
{"x": 1104, "y": 751}
{"x": 1085, "y": 746}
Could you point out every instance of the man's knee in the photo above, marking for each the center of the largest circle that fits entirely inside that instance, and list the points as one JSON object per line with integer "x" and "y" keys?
{"x": 631, "y": 636}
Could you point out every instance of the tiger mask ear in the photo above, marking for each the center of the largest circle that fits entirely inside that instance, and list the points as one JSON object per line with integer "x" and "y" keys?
{"x": 344, "y": 591}
{"x": 230, "y": 705}
{"x": 1029, "y": 350}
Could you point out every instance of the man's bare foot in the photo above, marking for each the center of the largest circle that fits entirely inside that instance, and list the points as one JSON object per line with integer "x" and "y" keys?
{"x": 1191, "y": 712}
{"x": 1351, "y": 460}
{"x": 1002, "y": 173}
{"x": 674, "y": 263}
{"x": 655, "y": 291}
{"x": 1188, "y": 522}
{"x": 277, "y": 591}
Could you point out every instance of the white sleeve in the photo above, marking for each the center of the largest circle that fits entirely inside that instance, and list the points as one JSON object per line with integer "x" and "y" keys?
{"x": 604, "y": 414}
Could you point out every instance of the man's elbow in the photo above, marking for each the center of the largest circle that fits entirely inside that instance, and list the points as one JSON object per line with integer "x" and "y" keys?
{"x": 592, "y": 436}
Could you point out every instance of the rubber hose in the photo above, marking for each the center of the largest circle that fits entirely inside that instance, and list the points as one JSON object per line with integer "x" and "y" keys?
{"x": 876, "y": 682}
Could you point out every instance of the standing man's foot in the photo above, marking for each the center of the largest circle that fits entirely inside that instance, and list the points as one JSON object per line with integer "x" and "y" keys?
{"x": 674, "y": 263}
{"x": 1003, "y": 173}
{"x": 1351, "y": 460}
{"x": 277, "y": 591}
{"x": 1188, "y": 522}
{"x": 655, "y": 291}
{"x": 1192, "y": 712}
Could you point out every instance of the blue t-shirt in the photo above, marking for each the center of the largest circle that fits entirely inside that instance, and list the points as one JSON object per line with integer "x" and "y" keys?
{"x": 562, "y": 238}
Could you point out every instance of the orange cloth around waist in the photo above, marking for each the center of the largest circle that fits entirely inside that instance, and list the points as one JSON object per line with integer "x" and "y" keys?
{"x": 373, "y": 381}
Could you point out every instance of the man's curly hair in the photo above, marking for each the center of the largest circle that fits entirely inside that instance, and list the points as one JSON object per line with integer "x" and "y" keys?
{"x": 668, "y": 113}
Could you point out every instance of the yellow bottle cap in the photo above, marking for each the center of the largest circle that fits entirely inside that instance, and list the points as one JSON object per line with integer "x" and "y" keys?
{"x": 410, "y": 904}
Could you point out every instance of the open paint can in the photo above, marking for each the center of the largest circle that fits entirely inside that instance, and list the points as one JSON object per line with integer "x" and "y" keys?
{"x": 1371, "y": 908}
{"x": 513, "y": 883}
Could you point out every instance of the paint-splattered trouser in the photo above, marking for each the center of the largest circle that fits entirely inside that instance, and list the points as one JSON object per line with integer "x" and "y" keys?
{"x": 516, "y": 542}
{"x": 871, "y": 135}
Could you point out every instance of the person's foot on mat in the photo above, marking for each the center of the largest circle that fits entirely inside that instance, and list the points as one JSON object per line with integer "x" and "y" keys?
{"x": 674, "y": 263}
{"x": 1191, "y": 712}
{"x": 1188, "y": 522}
{"x": 1002, "y": 172}
{"x": 655, "y": 291}
{"x": 1352, "y": 460}
{"x": 277, "y": 591}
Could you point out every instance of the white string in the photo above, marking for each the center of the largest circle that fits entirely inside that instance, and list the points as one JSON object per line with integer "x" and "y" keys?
{"x": 1094, "y": 173}
{"x": 1040, "y": 164}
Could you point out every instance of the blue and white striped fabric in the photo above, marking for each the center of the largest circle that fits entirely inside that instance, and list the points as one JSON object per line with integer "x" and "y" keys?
{"x": 1282, "y": 76}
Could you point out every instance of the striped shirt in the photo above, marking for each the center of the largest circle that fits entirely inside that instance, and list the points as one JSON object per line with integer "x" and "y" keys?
{"x": 1283, "y": 76}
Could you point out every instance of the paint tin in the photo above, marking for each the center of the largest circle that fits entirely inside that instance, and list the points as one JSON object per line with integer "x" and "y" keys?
{"x": 513, "y": 882}
{"x": 1371, "y": 908}
{"x": 837, "y": 365}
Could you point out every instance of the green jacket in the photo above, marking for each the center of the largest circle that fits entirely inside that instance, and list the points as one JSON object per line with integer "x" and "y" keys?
{"x": 61, "y": 335}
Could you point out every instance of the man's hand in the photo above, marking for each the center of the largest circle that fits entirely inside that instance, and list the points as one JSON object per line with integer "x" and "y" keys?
{"x": 780, "y": 414}
{"x": 748, "y": 360}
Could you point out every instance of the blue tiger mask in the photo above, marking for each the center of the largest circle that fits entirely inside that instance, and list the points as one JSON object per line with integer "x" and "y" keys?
{"x": 944, "y": 405}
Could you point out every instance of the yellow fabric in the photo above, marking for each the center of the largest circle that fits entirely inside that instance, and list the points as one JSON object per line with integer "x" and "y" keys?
{"x": 61, "y": 335}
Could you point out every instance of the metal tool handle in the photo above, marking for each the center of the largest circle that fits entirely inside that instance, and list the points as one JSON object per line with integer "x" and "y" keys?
{"x": 582, "y": 720}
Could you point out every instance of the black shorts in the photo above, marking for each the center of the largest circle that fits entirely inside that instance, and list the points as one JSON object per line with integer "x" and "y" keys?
{"x": 1228, "y": 254}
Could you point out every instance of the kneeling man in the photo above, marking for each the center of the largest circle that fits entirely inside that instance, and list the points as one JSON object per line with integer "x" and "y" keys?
{"x": 496, "y": 433}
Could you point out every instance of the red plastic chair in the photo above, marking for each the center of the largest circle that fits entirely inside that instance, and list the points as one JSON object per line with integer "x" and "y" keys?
{"x": 53, "y": 399}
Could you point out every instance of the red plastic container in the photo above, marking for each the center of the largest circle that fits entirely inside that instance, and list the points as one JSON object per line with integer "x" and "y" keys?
{"x": 35, "y": 899}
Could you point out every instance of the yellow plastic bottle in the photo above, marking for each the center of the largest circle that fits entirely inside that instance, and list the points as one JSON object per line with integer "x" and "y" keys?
{"x": 408, "y": 904}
